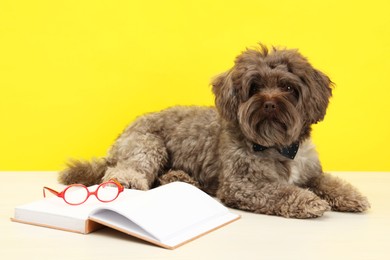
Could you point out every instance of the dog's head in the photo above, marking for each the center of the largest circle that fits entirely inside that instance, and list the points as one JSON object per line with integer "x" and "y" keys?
{"x": 274, "y": 96}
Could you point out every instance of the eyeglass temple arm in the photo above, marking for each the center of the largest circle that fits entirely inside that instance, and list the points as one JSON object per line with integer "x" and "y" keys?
{"x": 117, "y": 182}
{"x": 51, "y": 190}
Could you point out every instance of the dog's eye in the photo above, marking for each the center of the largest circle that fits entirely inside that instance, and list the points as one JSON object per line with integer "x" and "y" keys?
{"x": 253, "y": 89}
{"x": 290, "y": 89}
{"x": 287, "y": 88}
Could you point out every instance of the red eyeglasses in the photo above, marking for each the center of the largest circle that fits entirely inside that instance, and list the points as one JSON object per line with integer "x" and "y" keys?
{"x": 77, "y": 194}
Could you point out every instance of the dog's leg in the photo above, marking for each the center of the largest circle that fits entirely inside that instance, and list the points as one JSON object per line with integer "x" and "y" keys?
{"x": 140, "y": 158}
{"x": 340, "y": 195}
{"x": 273, "y": 199}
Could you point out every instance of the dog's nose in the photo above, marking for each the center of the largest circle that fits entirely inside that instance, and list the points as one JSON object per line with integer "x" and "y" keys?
{"x": 269, "y": 106}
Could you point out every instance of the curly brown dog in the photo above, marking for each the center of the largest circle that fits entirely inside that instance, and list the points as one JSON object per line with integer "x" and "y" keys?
{"x": 253, "y": 151}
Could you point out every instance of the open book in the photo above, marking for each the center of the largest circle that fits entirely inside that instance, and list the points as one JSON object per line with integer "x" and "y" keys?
{"x": 168, "y": 216}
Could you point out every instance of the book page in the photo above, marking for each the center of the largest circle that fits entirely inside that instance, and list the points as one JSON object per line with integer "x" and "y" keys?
{"x": 57, "y": 206}
{"x": 167, "y": 210}
{"x": 56, "y": 213}
{"x": 121, "y": 223}
{"x": 116, "y": 221}
{"x": 200, "y": 229}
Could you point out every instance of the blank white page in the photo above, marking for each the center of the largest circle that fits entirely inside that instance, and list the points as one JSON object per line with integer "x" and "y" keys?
{"x": 169, "y": 209}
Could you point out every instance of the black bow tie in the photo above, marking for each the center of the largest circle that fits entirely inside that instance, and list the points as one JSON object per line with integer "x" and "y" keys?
{"x": 288, "y": 151}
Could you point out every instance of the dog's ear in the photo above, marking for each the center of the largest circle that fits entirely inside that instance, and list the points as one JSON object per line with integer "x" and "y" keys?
{"x": 320, "y": 91}
{"x": 226, "y": 100}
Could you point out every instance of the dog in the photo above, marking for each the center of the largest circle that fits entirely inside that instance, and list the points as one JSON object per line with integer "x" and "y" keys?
{"x": 252, "y": 150}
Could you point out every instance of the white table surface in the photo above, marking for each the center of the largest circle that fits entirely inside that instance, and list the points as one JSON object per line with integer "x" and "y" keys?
{"x": 333, "y": 236}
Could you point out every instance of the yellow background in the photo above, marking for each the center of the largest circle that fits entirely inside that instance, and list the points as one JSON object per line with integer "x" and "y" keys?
{"x": 74, "y": 73}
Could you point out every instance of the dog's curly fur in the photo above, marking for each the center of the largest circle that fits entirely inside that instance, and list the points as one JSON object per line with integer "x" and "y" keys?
{"x": 270, "y": 98}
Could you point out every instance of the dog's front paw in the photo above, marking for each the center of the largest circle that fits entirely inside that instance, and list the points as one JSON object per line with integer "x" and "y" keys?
{"x": 314, "y": 209}
{"x": 304, "y": 204}
{"x": 128, "y": 178}
{"x": 352, "y": 202}
{"x": 340, "y": 195}
{"x": 173, "y": 176}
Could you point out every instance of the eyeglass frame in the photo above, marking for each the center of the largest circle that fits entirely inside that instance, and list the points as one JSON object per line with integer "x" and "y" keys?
{"x": 62, "y": 193}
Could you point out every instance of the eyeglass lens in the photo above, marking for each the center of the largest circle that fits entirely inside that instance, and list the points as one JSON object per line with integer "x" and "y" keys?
{"x": 76, "y": 194}
{"x": 107, "y": 192}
